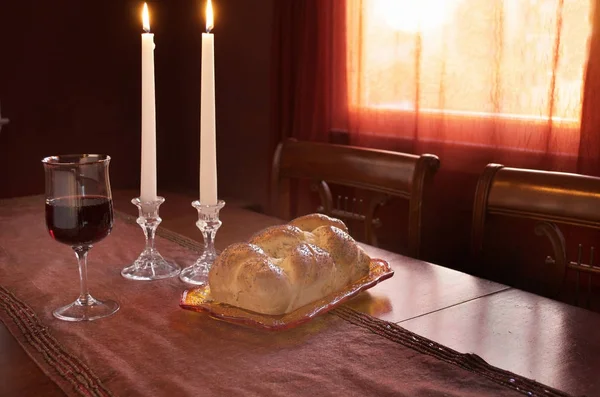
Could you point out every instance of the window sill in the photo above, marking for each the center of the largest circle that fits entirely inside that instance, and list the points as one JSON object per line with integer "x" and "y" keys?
{"x": 475, "y": 132}
{"x": 464, "y": 157}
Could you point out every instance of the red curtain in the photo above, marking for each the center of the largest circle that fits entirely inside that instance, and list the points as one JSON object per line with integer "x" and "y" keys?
{"x": 473, "y": 79}
{"x": 308, "y": 64}
{"x": 309, "y": 59}
{"x": 589, "y": 149}
{"x": 470, "y": 81}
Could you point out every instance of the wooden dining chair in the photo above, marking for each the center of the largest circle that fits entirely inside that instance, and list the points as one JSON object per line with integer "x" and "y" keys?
{"x": 384, "y": 173}
{"x": 551, "y": 199}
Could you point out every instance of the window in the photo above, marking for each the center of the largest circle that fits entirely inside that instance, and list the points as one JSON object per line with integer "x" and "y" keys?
{"x": 513, "y": 59}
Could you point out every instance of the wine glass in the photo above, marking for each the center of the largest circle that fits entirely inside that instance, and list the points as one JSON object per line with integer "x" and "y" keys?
{"x": 79, "y": 213}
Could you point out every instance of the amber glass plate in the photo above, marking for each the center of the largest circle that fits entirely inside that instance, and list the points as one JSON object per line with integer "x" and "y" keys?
{"x": 199, "y": 299}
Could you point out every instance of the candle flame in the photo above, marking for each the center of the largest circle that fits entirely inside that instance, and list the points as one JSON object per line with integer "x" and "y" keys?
{"x": 209, "y": 16}
{"x": 146, "y": 19}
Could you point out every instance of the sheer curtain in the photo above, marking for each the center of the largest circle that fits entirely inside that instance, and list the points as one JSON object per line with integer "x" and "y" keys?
{"x": 510, "y": 81}
{"x": 501, "y": 79}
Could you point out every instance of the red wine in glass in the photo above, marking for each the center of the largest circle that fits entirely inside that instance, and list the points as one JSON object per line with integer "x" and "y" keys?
{"x": 79, "y": 220}
{"x": 79, "y": 213}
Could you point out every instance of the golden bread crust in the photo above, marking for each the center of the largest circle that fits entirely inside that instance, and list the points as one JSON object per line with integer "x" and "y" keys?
{"x": 285, "y": 267}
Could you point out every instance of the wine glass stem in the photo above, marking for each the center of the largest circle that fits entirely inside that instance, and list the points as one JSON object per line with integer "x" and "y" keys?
{"x": 81, "y": 254}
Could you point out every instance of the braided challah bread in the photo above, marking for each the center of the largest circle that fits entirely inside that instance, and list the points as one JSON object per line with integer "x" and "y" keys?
{"x": 286, "y": 267}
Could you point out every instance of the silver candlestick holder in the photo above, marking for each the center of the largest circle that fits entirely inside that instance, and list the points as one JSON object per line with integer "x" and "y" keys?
{"x": 150, "y": 265}
{"x": 208, "y": 223}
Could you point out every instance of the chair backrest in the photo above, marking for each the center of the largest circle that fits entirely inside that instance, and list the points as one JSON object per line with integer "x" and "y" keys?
{"x": 390, "y": 174}
{"x": 549, "y": 197}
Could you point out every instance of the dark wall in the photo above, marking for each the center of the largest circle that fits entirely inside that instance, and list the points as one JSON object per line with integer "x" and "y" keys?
{"x": 243, "y": 97}
{"x": 70, "y": 82}
{"x": 242, "y": 73}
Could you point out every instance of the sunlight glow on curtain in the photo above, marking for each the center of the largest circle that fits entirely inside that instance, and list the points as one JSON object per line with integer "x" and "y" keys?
{"x": 494, "y": 73}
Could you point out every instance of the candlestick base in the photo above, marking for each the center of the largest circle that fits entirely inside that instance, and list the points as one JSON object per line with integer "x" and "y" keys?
{"x": 150, "y": 265}
{"x": 208, "y": 223}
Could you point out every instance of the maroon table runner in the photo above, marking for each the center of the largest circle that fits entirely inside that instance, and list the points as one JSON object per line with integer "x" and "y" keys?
{"x": 151, "y": 347}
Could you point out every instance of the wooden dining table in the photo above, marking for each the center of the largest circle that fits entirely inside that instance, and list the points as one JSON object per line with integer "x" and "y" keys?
{"x": 532, "y": 336}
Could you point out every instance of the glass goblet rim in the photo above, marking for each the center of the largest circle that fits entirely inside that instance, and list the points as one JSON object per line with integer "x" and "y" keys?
{"x": 71, "y": 160}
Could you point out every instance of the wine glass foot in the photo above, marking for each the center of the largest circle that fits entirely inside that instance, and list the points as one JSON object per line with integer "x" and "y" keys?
{"x": 86, "y": 310}
{"x": 150, "y": 266}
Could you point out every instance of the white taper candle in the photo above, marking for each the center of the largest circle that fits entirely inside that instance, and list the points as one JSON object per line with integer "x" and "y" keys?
{"x": 148, "y": 166}
{"x": 208, "y": 146}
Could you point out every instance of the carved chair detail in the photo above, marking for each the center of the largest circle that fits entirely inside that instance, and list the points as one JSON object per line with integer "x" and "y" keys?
{"x": 551, "y": 198}
{"x": 384, "y": 174}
